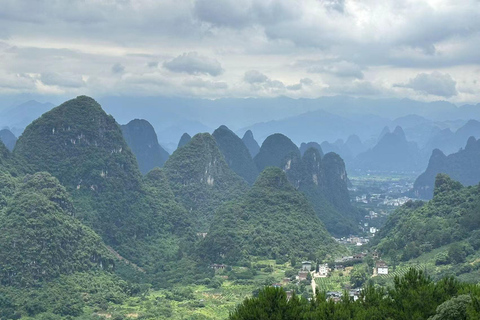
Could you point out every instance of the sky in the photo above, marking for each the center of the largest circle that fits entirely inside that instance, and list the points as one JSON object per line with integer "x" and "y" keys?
{"x": 422, "y": 50}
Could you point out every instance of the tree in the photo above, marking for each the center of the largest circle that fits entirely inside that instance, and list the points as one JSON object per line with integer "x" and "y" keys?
{"x": 456, "y": 253}
{"x": 358, "y": 278}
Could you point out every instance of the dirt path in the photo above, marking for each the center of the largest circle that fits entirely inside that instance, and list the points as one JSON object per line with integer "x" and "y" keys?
{"x": 314, "y": 284}
{"x": 119, "y": 257}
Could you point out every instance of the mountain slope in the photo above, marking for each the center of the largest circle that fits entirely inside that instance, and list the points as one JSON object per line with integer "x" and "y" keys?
{"x": 8, "y": 138}
{"x": 41, "y": 239}
{"x": 201, "y": 179}
{"x": 418, "y": 227}
{"x": 392, "y": 153}
{"x": 251, "y": 143}
{"x": 256, "y": 225}
{"x": 324, "y": 183}
{"x": 461, "y": 166}
{"x": 142, "y": 140}
{"x": 184, "y": 139}
{"x": 83, "y": 147}
{"x": 274, "y": 150}
{"x": 236, "y": 154}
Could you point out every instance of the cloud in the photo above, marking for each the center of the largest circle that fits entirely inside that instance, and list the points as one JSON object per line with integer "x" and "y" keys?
{"x": 207, "y": 84}
{"x": 193, "y": 63}
{"x": 435, "y": 83}
{"x": 152, "y": 64}
{"x": 355, "y": 88}
{"x": 16, "y": 82}
{"x": 118, "y": 68}
{"x": 254, "y": 76}
{"x": 62, "y": 80}
{"x": 338, "y": 68}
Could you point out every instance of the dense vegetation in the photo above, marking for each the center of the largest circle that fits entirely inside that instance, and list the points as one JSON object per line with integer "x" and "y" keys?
{"x": 142, "y": 140}
{"x": 40, "y": 237}
{"x": 201, "y": 179}
{"x": 274, "y": 150}
{"x": 413, "y": 296}
{"x": 83, "y": 147}
{"x": 236, "y": 154}
{"x": 184, "y": 139}
{"x": 461, "y": 166}
{"x": 257, "y": 224}
{"x": 324, "y": 182}
{"x": 8, "y": 138}
{"x": 418, "y": 227}
{"x": 251, "y": 143}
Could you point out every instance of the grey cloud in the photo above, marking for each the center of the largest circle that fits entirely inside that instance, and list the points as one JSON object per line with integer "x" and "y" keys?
{"x": 306, "y": 81}
{"x": 17, "y": 82}
{"x": 435, "y": 83}
{"x": 300, "y": 84}
{"x": 338, "y": 5}
{"x": 231, "y": 13}
{"x": 254, "y": 76}
{"x": 193, "y": 63}
{"x": 357, "y": 88}
{"x": 338, "y": 68}
{"x": 201, "y": 83}
{"x": 152, "y": 64}
{"x": 118, "y": 68}
{"x": 294, "y": 87}
{"x": 62, "y": 80}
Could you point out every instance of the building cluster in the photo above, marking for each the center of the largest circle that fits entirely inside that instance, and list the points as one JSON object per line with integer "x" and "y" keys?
{"x": 359, "y": 241}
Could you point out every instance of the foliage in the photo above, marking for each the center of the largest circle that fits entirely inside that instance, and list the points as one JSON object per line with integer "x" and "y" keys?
{"x": 274, "y": 150}
{"x": 324, "y": 183}
{"x": 142, "y": 140}
{"x": 413, "y": 296}
{"x": 419, "y": 227}
{"x": 256, "y": 225}
{"x": 236, "y": 154}
{"x": 201, "y": 179}
{"x": 40, "y": 238}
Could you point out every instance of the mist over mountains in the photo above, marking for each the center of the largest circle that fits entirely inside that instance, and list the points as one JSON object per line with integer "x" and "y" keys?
{"x": 330, "y": 118}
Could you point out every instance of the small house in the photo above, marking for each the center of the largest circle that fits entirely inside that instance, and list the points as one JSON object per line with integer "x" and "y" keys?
{"x": 306, "y": 265}
{"x": 218, "y": 266}
{"x": 323, "y": 270}
{"x": 381, "y": 267}
{"x": 302, "y": 275}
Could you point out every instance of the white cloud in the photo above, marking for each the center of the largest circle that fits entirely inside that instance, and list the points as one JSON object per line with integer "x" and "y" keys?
{"x": 435, "y": 83}
{"x": 344, "y": 46}
{"x": 193, "y": 63}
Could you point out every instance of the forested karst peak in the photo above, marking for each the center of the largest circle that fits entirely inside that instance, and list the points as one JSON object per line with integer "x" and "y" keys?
{"x": 142, "y": 140}
{"x": 236, "y": 153}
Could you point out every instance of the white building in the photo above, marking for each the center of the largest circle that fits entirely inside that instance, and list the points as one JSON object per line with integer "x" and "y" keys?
{"x": 381, "y": 267}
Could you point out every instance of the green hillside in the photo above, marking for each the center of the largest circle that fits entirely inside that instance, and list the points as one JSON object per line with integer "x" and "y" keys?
{"x": 272, "y": 220}
{"x": 419, "y": 227}
{"x": 40, "y": 239}
{"x": 236, "y": 154}
{"x": 201, "y": 179}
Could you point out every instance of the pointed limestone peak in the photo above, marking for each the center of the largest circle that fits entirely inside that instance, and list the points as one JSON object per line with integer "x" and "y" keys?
{"x": 471, "y": 142}
{"x": 251, "y": 143}
{"x": 399, "y": 132}
{"x": 274, "y": 150}
{"x": 184, "y": 140}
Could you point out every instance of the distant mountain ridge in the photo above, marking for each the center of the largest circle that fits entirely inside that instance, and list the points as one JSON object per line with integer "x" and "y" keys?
{"x": 8, "y": 139}
{"x": 236, "y": 153}
{"x": 462, "y": 166}
{"x": 142, "y": 139}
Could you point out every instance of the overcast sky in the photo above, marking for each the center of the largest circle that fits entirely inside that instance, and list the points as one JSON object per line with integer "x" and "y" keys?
{"x": 425, "y": 50}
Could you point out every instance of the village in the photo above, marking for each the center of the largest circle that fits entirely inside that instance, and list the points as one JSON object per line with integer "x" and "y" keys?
{"x": 310, "y": 273}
